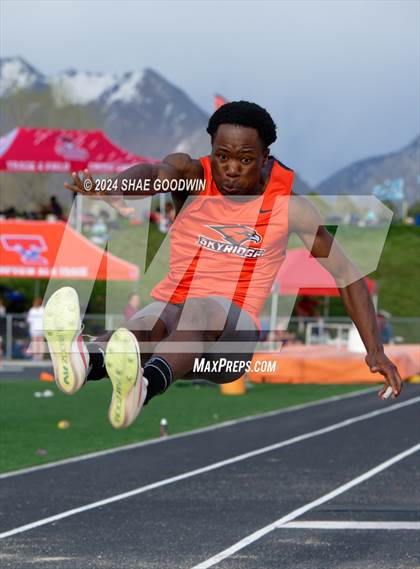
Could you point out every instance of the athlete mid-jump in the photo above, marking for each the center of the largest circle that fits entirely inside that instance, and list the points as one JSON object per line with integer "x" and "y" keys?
{"x": 227, "y": 244}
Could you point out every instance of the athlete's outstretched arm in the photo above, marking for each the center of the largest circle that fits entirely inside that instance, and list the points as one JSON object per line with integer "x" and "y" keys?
{"x": 305, "y": 220}
{"x": 174, "y": 166}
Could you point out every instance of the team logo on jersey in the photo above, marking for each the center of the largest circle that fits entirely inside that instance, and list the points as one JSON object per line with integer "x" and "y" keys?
{"x": 28, "y": 247}
{"x": 236, "y": 237}
{"x": 237, "y": 234}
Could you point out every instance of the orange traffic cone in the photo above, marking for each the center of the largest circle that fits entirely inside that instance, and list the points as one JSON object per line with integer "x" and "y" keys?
{"x": 45, "y": 376}
{"x": 236, "y": 387}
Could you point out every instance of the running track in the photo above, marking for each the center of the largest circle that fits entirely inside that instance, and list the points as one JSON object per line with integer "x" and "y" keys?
{"x": 332, "y": 485}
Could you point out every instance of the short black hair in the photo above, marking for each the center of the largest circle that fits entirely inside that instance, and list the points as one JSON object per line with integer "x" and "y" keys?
{"x": 244, "y": 113}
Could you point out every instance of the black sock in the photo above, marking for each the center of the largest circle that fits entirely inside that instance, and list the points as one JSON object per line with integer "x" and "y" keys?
{"x": 97, "y": 369}
{"x": 159, "y": 374}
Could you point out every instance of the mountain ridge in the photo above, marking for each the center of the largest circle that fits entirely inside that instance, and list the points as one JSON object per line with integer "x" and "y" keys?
{"x": 368, "y": 175}
{"x": 148, "y": 115}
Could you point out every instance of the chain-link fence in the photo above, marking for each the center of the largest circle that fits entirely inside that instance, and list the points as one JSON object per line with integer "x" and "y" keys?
{"x": 15, "y": 338}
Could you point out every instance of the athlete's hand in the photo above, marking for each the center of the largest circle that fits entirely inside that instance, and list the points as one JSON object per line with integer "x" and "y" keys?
{"x": 87, "y": 187}
{"x": 379, "y": 363}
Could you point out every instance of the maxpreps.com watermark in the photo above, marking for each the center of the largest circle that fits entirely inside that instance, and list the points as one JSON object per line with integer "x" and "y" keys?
{"x": 144, "y": 185}
{"x": 222, "y": 365}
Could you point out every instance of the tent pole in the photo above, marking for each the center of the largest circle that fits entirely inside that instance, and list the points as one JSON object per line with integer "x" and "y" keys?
{"x": 162, "y": 216}
{"x": 274, "y": 311}
{"x": 79, "y": 214}
{"x": 326, "y": 306}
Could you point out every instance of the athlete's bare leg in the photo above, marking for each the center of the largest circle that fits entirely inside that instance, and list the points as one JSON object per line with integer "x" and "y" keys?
{"x": 202, "y": 320}
{"x": 148, "y": 330}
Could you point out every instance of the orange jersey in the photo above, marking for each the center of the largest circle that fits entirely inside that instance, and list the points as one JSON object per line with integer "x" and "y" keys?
{"x": 222, "y": 246}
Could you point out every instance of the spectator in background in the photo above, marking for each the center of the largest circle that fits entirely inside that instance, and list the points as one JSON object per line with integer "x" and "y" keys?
{"x": 307, "y": 307}
{"x": 155, "y": 216}
{"x": 163, "y": 220}
{"x": 384, "y": 326}
{"x": 265, "y": 328}
{"x": 132, "y": 305}
{"x": 170, "y": 213}
{"x": 168, "y": 218}
{"x": 35, "y": 320}
{"x": 9, "y": 213}
{"x": 55, "y": 208}
{"x": 99, "y": 231}
{"x": 2, "y": 313}
{"x": 52, "y": 208}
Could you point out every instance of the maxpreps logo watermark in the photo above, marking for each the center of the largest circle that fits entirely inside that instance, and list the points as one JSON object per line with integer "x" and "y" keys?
{"x": 235, "y": 239}
{"x": 223, "y": 365}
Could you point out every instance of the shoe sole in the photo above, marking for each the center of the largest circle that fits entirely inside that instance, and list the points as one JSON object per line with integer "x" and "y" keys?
{"x": 61, "y": 326}
{"x": 122, "y": 362}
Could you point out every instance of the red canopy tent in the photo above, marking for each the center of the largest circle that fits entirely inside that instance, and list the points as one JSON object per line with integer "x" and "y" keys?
{"x": 303, "y": 274}
{"x": 219, "y": 101}
{"x": 42, "y": 249}
{"x": 58, "y": 150}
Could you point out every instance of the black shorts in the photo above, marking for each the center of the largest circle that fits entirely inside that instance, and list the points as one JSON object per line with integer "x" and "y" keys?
{"x": 224, "y": 360}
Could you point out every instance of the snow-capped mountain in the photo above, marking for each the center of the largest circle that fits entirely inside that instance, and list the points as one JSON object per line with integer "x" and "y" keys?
{"x": 140, "y": 110}
{"x": 147, "y": 112}
{"x": 16, "y": 74}
{"x": 80, "y": 87}
{"x": 125, "y": 90}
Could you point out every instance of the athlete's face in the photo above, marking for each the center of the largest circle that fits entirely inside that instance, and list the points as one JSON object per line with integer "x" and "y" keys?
{"x": 237, "y": 158}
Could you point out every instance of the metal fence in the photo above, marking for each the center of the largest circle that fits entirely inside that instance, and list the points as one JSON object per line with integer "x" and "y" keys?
{"x": 15, "y": 340}
{"x": 331, "y": 329}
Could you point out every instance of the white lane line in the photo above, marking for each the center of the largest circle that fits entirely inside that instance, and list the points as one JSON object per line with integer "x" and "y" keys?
{"x": 353, "y": 525}
{"x": 207, "y": 468}
{"x": 230, "y": 423}
{"x": 302, "y": 510}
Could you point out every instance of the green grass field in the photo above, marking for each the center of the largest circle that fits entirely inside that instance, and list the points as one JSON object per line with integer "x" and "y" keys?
{"x": 398, "y": 272}
{"x": 29, "y": 423}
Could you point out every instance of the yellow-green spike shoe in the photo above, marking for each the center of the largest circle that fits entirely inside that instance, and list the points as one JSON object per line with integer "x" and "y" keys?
{"x": 63, "y": 331}
{"x": 123, "y": 365}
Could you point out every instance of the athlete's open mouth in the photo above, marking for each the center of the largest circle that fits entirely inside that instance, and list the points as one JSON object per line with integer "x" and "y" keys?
{"x": 231, "y": 189}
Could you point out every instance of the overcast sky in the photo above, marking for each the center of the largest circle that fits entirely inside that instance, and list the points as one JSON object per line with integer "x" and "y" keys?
{"x": 341, "y": 79}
